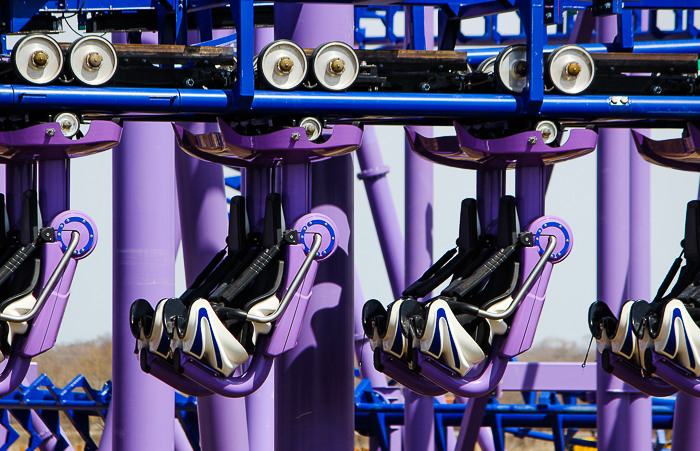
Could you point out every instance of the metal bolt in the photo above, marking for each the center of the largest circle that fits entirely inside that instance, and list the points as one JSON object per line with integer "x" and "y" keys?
{"x": 425, "y": 87}
{"x": 94, "y": 60}
{"x": 336, "y": 66}
{"x": 608, "y": 5}
{"x": 189, "y": 82}
{"x": 614, "y": 100}
{"x": 296, "y": 136}
{"x": 40, "y": 58}
{"x": 50, "y": 132}
{"x": 656, "y": 89}
{"x": 624, "y": 100}
{"x": 573, "y": 69}
{"x": 143, "y": 60}
{"x": 285, "y": 65}
{"x": 532, "y": 140}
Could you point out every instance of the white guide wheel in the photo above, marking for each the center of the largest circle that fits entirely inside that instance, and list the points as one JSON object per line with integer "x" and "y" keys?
{"x": 93, "y": 60}
{"x": 487, "y": 66}
{"x": 511, "y": 68}
{"x": 335, "y": 66}
{"x": 312, "y": 126}
{"x": 549, "y": 131}
{"x": 282, "y": 65}
{"x": 69, "y": 122}
{"x": 37, "y": 59}
{"x": 571, "y": 69}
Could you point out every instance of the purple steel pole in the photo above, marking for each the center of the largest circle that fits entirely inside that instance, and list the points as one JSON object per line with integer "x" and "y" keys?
{"x": 54, "y": 188}
{"x": 142, "y": 407}
{"x": 204, "y": 226}
{"x": 383, "y": 210}
{"x": 489, "y": 189}
{"x": 530, "y": 183}
{"x": 19, "y": 178}
{"x": 638, "y": 285}
{"x": 616, "y": 409}
{"x": 313, "y": 402}
{"x": 419, "y": 411}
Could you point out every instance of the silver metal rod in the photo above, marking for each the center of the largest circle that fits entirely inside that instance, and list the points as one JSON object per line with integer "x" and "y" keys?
{"x": 551, "y": 244}
{"x": 315, "y": 246}
{"x": 48, "y": 288}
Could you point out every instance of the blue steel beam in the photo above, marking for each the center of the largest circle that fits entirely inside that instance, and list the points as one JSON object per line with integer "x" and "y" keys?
{"x": 349, "y": 104}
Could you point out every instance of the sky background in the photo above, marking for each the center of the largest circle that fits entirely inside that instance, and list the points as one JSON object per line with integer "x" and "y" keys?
{"x": 571, "y": 196}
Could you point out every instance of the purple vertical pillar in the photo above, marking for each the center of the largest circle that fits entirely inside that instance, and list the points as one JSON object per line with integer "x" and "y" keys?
{"x": 314, "y": 381}
{"x": 638, "y": 285}
{"x": 383, "y": 210}
{"x": 489, "y": 189}
{"x": 54, "y": 188}
{"x": 686, "y": 417}
{"x": 19, "y": 178}
{"x": 618, "y": 406}
{"x": 530, "y": 183}
{"x": 204, "y": 226}
{"x": 419, "y": 411}
{"x": 142, "y": 408}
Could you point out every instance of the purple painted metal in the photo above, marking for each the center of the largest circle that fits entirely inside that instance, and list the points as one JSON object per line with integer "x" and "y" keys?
{"x": 675, "y": 375}
{"x": 680, "y": 153}
{"x": 383, "y": 211}
{"x": 314, "y": 381}
{"x": 525, "y": 320}
{"x": 182, "y": 443}
{"x": 39, "y": 143}
{"x": 419, "y": 411}
{"x": 548, "y": 376}
{"x": 653, "y": 386}
{"x": 530, "y": 184}
{"x": 363, "y": 352}
{"x": 639, "y": 275}
{"x": 403, "y": 375}
{"x": 204, "y": 226}
{"x": 614, "y": 430}
{"x": 686, "y": 415}
{"x": 470, "y": 430}
{"x": 490, "y": 187}
{"x": 47, "y": 322}
{"x": 54, "y": 188}
{"x": 164, "y": 371}
{"x": 467, "y": 152}
{"x": 144, "y": 201}
{"x": 287, "y": 146}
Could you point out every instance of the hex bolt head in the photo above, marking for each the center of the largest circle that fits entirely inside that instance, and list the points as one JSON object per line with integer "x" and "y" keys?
{"x": 50, "y": 132}
{"x": 40, "y": 59}
{"x": 532, "y": 140}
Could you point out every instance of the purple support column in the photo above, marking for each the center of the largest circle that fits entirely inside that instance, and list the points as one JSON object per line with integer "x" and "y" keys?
{"x": 204, "y": 227}
{"x": 530, "y": 183}
{"x": 616, "y": 409}
{"x": 638, "y": 285}
{"x": 142, "y": 407}
{"x": 54, "y": 188}
{"x": 383, "y": 210}
{"x": 489, "y": 189}
{"x": 19, "y": 178}
{"x": 686, "y": 417}
{"x": 419, "y": 411}
{"x": 314, "y": 381}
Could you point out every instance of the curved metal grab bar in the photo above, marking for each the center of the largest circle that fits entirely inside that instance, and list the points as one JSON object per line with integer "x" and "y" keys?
{"x": 48, "y": 288}
{"x": 551, "y": 244}
{"x": 315, "y": 246}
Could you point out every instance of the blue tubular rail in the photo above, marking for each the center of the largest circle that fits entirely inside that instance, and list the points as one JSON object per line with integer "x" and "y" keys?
{"x": 373, "y": 415}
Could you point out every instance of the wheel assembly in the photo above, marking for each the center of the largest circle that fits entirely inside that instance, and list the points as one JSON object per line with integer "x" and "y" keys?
{"x": 510, "y": 68}
{"x": 487, "y": 65}
{"x": 69, "y": 122}
{"x": 335, "y": 66}
{"x": 571, "y": 69}
{"x": 282, "y": 65}
{"x": 549, "y": 131}
{"x": 37, "y": 59}
{"x": 92, "y": 60}
{"x": 312, "y": 126}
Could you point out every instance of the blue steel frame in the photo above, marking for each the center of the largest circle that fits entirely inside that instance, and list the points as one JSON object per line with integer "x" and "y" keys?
{"x": 561, "y": 412}
{"x": 244, "y": 99}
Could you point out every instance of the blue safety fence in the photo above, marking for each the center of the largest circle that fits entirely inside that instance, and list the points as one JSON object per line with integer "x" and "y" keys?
{"x": 563, "y": 413}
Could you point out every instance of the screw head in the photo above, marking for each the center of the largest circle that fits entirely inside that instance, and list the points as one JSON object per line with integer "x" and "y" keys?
{"x": 573, "y": 69}
{"x": 40, "y": 59}
{"x": 94, "y": 60}
{"x": 532, "y": 140}
{"x": 296, "y": 136}
{"x": 336, "y": 66}
{"x": 50, "y": 132}
{"x": 425, "y": 87}
{"x": 285, "y": 65}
